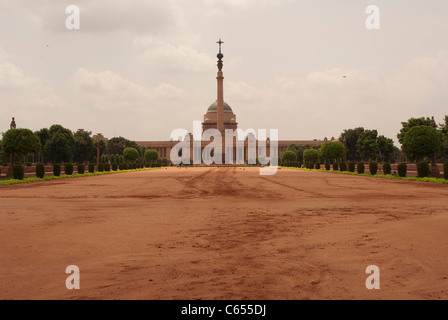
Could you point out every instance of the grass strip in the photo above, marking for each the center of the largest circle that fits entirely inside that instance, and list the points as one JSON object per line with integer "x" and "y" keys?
{"x": 9, "y": 182}
{"x": 383, "y": 176}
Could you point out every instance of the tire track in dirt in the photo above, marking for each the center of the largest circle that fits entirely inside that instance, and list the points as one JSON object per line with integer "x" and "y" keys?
{"x": 314, "y": 193}
{"x": 200, "y": 184}
{"x": 221, "y": 182}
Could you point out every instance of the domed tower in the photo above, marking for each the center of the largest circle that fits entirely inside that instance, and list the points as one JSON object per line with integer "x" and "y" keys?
{"x": 219, "y": 115}
{"x": 211, "y": 117}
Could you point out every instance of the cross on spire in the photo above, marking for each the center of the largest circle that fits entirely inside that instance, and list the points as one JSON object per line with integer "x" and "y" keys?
{"x": 219, "y": 42}
{"x": 220, "y": 55}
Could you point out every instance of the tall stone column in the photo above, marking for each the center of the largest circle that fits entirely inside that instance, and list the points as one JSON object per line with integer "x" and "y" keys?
{"x": 220, "y": 102}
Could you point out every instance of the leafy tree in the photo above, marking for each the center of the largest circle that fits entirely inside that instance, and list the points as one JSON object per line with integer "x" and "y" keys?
{"x": 4, "y": 158}
{"x": 289, "y": 156}
{"x": 44, "y": 136}
{"x": 310, "y": 155}
{"x": 84, "y": 147}
{"x": 57, "y": 128}
{"x": 141, "y": 150}
{"x": 151, "y": 155}
{"x": 366, "y": 145}
{"x": 352, "y": 136}
{"x": 386, "y": 148}
{"x": 332, "y": 150}
{"x": 59, "y": 147}
{"x": 413, "y": 122}
{"x": 20, "y": 142}
{"x": 420, "y": 141}
{"x": 444, "y": 138}
{"x": 371, "y": 146}
{"x": 118, "y": 144}
{"x": 130, "y": 154}
{"x": 298, "y": 149}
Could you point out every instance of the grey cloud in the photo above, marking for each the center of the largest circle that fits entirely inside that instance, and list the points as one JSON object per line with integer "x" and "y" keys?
{"x": 138, "y": 16}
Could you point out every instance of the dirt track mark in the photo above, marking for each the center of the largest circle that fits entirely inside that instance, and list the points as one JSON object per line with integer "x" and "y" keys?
{"x": 221, "y": 182}
{"x": 314, "y": 193}
{"x": 197, "y": 185}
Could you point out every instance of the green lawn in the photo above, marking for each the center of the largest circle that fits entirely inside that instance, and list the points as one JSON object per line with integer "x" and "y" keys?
{"x": 10, "y": 181}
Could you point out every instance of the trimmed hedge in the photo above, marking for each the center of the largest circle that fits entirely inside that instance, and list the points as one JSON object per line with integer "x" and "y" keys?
{"x": 123, "y": 166}
{"x": 40, "y": 170}
{"x": 445, "y": 170}
{"x": 360, "y": 168}
{"x": 18, "y": 171}
{"x": 107, "y": 167}
{"x": 423, "y": 169}
{"x": 284, "y": 163}
{"x": 395, "y": 177}
{"x": 351, "y": 166}
{"x": 343, "y": 166}
{"x": 100, "y": 167}
{"x": 91, "y": 167}
{"x": 56, "y": 169}
{"x": 317, "y": 165}
{"x": 68, "y": 169}
{"x": 81, "y": 168}
{"x": 10, "y": 182}
{"x": 402, "y": 169}
{"x": 387, "y": 168}
{"x": 335, "y": 166}
{"x": 287, "y": 157}
{"x": 327, "y": 165}
{"x": 114, "y": 166}
{"x": 373, "y": 168}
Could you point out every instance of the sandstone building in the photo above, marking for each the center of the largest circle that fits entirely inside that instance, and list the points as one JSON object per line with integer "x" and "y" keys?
{"x": 220, "y": 116}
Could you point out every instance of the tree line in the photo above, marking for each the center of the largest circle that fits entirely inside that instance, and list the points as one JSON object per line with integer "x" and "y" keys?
{"x": 60, "y": 145}
{"x": 418, "y": 139}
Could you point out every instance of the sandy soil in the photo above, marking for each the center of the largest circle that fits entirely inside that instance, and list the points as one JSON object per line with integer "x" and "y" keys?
{"x": 224, "y": 233}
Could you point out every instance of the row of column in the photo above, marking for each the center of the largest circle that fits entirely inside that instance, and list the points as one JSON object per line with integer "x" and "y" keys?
{"x": 237, "y": 155}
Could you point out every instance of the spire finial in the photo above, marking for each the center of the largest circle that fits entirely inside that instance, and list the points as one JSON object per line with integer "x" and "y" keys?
{"x": 219, "y": 42}
{"x": 220, "y": 55}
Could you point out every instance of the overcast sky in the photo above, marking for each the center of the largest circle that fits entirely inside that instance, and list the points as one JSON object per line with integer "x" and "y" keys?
{"x": 142, "y": 68}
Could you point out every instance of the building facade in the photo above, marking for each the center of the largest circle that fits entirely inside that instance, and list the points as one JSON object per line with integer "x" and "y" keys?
{"x": 220, "y": 116}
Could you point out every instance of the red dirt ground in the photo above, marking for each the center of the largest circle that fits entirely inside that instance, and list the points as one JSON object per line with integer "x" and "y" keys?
{"x": 224, "y": 233}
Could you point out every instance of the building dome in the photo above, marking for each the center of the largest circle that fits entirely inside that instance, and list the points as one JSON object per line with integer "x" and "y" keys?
{"x": 214, "y": 107}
